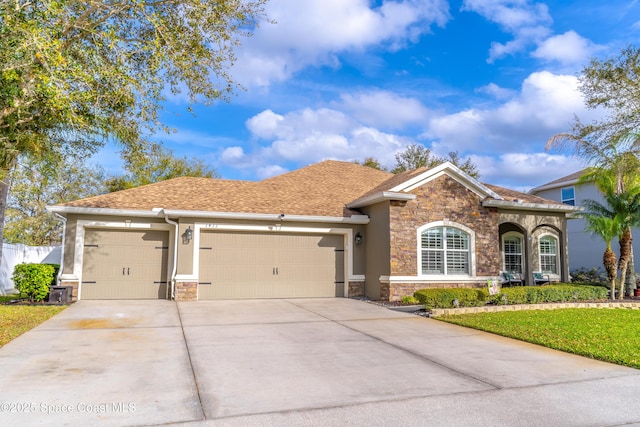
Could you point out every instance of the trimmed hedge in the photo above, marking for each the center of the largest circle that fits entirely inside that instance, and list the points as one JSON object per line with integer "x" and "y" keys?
{"x": 444, "y": 298}
{"x": 548, "y": 293}
{"x": 34, "y": 280}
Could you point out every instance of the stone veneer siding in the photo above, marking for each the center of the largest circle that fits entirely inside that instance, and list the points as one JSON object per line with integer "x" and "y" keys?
{"x": 441, "y": 199}
{"x": 186, "y": 291}
{"x": 356, "y": 289}
{"x": 74, "y": 292}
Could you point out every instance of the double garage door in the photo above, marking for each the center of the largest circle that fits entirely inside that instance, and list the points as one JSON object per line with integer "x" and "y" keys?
{"x": 132, "y": 264}
{"x": 270, "y": 265}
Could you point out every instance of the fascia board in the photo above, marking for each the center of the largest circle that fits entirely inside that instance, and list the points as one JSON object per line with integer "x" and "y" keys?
{"x": 159, "y": 212}
{"x": 105, "y": 211}
{"x": 505, "y": 204}
{"x": 380, "y": 197}
{"x": 354, "y": 219}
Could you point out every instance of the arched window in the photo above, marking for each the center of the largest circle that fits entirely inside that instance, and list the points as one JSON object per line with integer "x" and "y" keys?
{"x": 548, "y": 254}
{"x": 512, "y": 247}
{"x": 445, "y": 250}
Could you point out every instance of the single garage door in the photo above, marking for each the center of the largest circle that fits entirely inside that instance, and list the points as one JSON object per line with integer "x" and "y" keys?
{"x": 270, "y": 265}
{"x": 125, "y": 264}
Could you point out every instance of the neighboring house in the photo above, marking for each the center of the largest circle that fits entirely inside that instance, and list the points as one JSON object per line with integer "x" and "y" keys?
{"x": 586, "y": 248}
{"x": 329, "y": 229}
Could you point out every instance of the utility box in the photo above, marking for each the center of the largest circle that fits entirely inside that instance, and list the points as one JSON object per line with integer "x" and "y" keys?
{"x": 60, "y": 294}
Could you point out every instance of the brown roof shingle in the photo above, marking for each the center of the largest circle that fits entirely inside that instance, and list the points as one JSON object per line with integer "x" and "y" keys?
{"x": 322, "y": 189}
{"x": 511, "y": 195}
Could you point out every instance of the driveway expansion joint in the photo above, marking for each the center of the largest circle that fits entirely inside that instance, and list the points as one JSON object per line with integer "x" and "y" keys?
{"x": 193, "y": 372}
{"x": 403, "y": 349}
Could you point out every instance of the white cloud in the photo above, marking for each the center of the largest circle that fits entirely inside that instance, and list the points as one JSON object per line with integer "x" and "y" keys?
{"x": 232, "y": 154}
{"x": 265, "y": 124}
{"x": 385, "y": 109}
{"x": 312, "y": 32}
{"x": 496, "y": 91}
{"x": 307, "y": 136}
{"x": 523, "y": 171}
{"x": 568, "y": 48}
{"x": 546, "y": 105}
{"x": 527, "y": 21}
{"x": 269, "y": 171}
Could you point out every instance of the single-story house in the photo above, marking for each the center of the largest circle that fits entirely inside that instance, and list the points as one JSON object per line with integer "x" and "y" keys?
{"x": 332, "y": 229}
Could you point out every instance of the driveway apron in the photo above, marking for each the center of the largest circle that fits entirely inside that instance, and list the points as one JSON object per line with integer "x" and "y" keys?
{"x": 274, "y": 362}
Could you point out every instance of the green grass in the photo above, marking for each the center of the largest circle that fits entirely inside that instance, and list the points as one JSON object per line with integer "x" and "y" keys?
{"x": 612, "y": 335}
{"x": 6, "y": 298}
{"x": 15, "y": 320}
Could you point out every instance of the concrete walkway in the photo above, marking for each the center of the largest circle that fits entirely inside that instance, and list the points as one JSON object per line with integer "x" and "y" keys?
{"x": 295, "y": 362}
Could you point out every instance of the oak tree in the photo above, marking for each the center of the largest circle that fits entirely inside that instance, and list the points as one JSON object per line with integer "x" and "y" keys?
{"x": 77, "y": 73}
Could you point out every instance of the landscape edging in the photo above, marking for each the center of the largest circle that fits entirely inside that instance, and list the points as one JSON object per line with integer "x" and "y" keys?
{"x": 436, "y": 312}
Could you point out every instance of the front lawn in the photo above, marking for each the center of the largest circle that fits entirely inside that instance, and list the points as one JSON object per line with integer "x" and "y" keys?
{"x": 18, "y": 319}
{"x": 612, "y": 335}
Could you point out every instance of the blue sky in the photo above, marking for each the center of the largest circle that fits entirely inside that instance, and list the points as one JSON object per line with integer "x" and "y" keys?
{"x": 347, "y": 79}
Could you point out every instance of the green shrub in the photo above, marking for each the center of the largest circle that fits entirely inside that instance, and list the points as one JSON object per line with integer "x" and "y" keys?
{"x": 409, "y": 300}
{"x": 548, "y": 293}
{"x": 446, "y": 298}
{"x": 585, "y": 276}
{"x": 34, "y": 280}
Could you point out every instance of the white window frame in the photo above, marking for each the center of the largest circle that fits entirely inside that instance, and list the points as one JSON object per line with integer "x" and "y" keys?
{"x": 472, "y": 251}
{"x": 557, "y": 254}
{"x": 573, "y": 199}
{"x": 504, "y": 250}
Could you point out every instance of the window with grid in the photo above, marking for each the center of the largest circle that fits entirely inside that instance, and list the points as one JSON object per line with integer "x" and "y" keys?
{"x": 549, "y": 255}
{"x": 445, "y": 250}
{"x": 513, "y": 254}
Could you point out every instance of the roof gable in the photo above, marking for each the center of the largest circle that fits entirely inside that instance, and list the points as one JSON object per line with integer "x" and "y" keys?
{"x": 399, "y": 186}
{"x": 451, "y": 171}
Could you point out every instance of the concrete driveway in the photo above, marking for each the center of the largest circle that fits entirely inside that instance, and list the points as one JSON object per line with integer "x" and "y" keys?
{"x": 294, "y": 362}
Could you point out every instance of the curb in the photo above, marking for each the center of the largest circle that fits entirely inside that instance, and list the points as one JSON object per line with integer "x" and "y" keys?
{"x": 436, "y": 312}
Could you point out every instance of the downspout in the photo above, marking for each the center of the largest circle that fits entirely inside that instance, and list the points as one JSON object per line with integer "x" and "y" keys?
{"x": 175, "y": 254}
{"x": 64, "y": 235}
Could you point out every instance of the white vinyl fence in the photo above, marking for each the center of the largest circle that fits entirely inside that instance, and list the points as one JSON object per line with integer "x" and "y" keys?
{"x": 17, "y": 254}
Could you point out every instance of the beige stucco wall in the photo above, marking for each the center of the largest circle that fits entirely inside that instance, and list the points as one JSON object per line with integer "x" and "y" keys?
{"x": 376, "y": 242}
{"x": 185, "y": 250}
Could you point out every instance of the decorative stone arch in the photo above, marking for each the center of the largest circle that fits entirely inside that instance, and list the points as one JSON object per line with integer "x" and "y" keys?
{"x": 537, "y": 234}
{"x": 508, "y": 230}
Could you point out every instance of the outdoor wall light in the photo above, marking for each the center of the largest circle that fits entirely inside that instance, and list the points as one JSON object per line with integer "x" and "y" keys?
{"x": 358, "y": 238}
{"x": 188, "y": 235}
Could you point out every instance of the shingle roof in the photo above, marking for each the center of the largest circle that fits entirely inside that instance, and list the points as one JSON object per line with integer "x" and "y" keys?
{"x": 512, "y": 195}
{"x": 393, "y": 181}
{"x": 322, "y": 189}
{"x": 568, "y": 178}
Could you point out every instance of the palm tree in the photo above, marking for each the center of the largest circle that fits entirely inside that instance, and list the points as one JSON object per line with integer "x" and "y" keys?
{"x": 624, "y": 208}
{"x": 608, "y": 229}
{"x": 615, "y": 160}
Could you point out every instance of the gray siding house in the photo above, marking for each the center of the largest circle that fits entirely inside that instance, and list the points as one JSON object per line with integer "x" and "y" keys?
{"x": 586, "y": 249}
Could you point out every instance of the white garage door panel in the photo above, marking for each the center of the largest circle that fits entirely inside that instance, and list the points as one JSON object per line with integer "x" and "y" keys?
{"x": 245, "y": 265}
{"x": 124, "y": 264}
